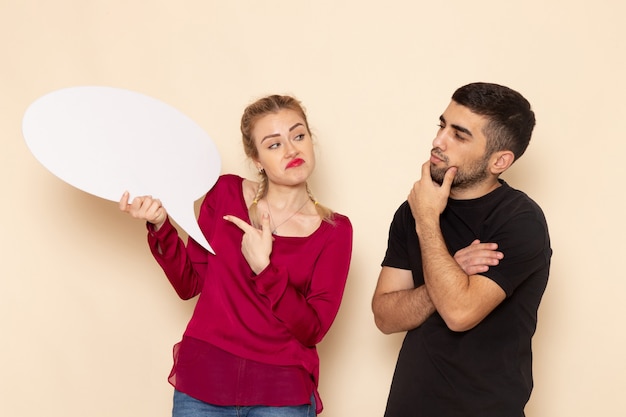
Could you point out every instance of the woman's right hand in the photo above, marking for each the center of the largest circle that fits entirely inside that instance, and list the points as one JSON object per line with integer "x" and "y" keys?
{"x": 256, "y": 245}
{"x": 145, "y": 208}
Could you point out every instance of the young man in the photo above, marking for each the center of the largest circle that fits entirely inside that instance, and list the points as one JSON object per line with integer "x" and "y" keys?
{"x": 469, "y": 318}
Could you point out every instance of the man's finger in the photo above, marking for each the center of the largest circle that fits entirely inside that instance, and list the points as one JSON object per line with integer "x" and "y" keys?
{"x": 447, "y": 179}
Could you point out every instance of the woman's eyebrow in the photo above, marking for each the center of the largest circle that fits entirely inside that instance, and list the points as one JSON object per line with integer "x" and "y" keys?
{"x": 273, "y": 135}
{"x": 294, "y": 126}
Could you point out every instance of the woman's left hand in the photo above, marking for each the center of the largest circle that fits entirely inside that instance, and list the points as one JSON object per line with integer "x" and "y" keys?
{"x": 256, "y": 244}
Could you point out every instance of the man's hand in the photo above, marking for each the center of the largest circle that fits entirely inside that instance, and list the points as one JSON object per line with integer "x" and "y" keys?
{"x": 478, "y": 257}
{"x": 428, "y": 199}
{"x": 256, "y": 244}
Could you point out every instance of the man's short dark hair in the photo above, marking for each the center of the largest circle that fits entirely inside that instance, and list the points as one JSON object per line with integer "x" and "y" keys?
{"x": 511, "y": 120}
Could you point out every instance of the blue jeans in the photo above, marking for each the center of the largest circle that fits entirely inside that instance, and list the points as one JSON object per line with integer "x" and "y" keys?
{"x": 186, "y": 406}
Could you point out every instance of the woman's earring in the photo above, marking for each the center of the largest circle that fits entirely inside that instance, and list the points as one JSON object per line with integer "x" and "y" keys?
{"x": 261, "y": 170}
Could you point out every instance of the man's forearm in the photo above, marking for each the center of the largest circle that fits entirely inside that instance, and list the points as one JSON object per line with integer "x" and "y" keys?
{"x": 446, "y": 282}
{"x": 402, "y": 310}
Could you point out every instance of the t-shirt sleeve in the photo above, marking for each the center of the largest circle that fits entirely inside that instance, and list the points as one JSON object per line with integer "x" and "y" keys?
{"x": 397, "y": 255}
{"x": 526, "y": 248}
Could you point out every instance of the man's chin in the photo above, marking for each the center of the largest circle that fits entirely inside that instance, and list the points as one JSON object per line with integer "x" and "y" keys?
{"x": 437, "y": 175}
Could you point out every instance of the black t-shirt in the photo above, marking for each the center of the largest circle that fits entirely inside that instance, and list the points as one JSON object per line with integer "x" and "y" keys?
{"x": 485, "y": 371}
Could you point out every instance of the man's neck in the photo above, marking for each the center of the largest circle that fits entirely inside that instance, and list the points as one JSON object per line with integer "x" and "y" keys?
{"x": 476, "y": 191}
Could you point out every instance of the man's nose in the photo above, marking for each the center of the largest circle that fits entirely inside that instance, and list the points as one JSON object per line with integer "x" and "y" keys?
{"x": 440, "y": 140}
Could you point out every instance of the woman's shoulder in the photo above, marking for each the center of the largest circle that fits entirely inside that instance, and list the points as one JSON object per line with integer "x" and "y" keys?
{"x": 233, "y": 181}
{"x": 341, "y": 218}
{"x": 225, "y": 185}
{"x": 337, "y": 231}
{"x": 235, "y": 184}
{"x": 340, "y": 221}
{"x": 229, "y": 179}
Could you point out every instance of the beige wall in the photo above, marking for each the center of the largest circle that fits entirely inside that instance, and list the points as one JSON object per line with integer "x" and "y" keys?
{"x": 87, "y": 319}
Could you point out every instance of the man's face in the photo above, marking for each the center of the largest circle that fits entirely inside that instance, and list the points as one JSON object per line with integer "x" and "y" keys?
{"x": 460, "y": 143}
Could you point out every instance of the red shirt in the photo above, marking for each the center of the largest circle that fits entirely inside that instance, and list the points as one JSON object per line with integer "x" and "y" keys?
{"x": 251, "y": 339}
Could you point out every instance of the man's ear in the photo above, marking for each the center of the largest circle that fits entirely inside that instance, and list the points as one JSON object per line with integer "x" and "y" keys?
{"x": 501, "y": 161}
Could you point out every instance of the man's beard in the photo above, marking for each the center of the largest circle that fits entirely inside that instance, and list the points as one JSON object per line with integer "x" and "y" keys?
{"x": 465, "y": 177}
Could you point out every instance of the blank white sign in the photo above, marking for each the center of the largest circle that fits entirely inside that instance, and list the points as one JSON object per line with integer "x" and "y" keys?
{"x": 106, "y": 140}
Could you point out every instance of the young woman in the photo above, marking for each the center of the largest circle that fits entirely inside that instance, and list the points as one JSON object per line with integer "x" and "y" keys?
{"x": 274, "y": 287}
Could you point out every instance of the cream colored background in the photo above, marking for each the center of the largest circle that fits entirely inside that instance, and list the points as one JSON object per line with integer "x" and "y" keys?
{"x": 87, "y": 319}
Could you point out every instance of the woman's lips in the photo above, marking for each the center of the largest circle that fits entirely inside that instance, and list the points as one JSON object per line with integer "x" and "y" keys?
{"x": 295, "y": 163}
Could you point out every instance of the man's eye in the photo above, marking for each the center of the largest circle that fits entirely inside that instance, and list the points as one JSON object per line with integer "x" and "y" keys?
{"x": 440, "y": 125}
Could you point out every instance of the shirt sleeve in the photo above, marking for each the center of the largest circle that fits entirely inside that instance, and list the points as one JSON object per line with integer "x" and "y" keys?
{"x": 185, "y": 265}
{"x": 397, "y": 255}
{"x": 309, "y": 316}
{"x": 526, "y": 246}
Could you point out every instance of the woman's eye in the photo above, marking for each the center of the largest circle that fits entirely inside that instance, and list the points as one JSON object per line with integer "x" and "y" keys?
{"x": 299, "y": 137}
{"x": 274, "y": 145}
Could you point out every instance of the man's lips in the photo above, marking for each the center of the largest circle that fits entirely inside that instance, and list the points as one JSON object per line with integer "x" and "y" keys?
{"x": 295, "y": 163}
{"x": 435, "y": 159}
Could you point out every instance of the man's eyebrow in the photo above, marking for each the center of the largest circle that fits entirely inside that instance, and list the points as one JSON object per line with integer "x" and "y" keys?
{"x": 456, "y": 127}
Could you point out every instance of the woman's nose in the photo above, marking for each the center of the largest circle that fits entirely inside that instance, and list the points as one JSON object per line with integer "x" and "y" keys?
{"x": 290, "y": 149}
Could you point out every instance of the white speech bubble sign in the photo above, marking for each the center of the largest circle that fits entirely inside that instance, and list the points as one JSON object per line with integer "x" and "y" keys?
{"x": 106, "y": 140}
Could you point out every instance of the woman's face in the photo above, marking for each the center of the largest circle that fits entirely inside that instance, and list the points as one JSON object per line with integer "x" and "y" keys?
{"x": 285, "y": 147}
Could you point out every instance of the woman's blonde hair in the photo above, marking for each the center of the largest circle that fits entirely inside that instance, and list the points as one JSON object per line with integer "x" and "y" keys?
{"x": 252, "y": 113}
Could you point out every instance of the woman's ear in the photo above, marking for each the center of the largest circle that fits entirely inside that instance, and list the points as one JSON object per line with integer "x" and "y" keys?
{"x": 257, "y": 165}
